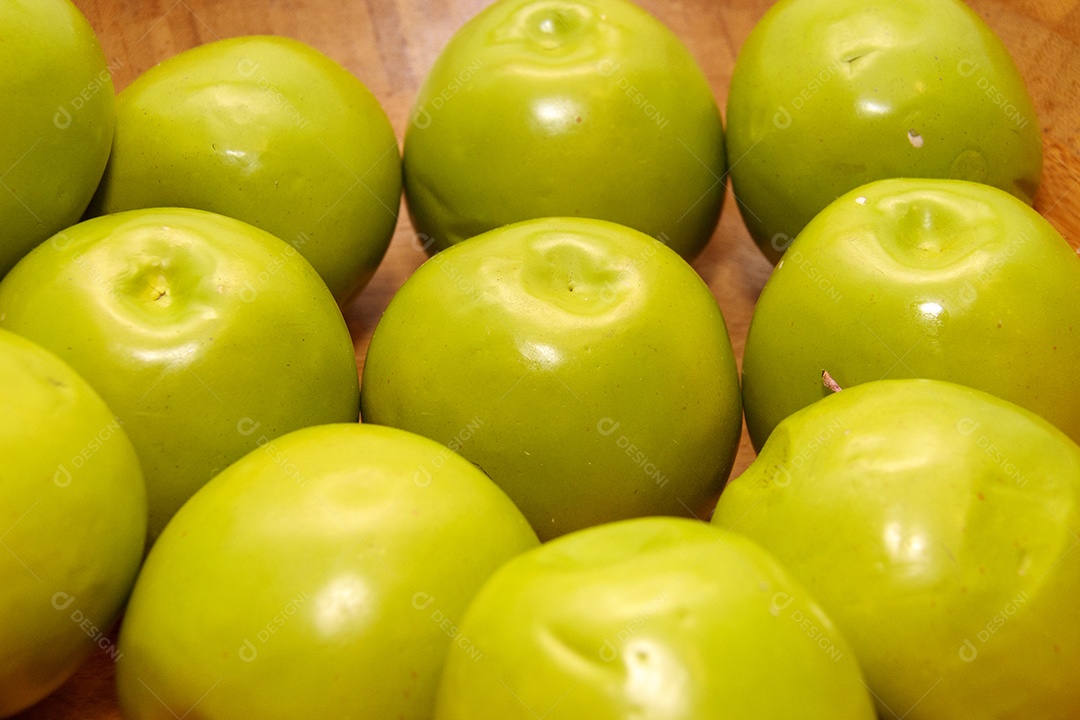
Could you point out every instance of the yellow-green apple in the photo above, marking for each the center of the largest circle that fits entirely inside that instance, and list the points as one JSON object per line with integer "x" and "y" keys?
{"x": 204, "y": 334}
{"x": 658, "y": 618}
{"x": 941, "y": 279}
{"x": 270, "y": 131}
{"x": 583, "y": 365}
{"x": 827, "y": 95}
{"x": 72, "y": 522}
{"x": 937, "y": 525}
{"x": 586, "y": 108}
{"x": 57, "y": 122}
{"x": 324, "y": 575}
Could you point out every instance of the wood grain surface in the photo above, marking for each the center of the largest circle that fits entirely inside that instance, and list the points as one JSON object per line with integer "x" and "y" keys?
{"x": 391, "y": 44}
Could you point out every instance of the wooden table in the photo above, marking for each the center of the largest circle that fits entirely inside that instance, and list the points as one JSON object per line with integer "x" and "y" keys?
{"x": 390, "y": 44}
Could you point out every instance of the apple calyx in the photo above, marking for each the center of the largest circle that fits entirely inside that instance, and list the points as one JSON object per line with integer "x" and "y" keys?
{"x": 827, "y": 381}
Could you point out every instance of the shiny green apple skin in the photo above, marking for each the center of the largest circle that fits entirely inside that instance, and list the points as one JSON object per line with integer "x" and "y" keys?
{"x": 585, "y": 108}
{"x": 659, "y": 618}
{"x": 936, "y": 525}
{"x": 827, "y": 95}
{"x": 919, "y": 278}
{"x": 204, "y": 334}
{"x": 323, "y": 575}
{"x": 269, "y": 131}
{"x": 583, "y": 365}
{"x": 57, "y": 123}
{"x": 72, "y": 521}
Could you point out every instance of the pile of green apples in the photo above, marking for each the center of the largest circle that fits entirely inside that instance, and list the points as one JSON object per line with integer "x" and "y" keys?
{"x": 534, "y": 517}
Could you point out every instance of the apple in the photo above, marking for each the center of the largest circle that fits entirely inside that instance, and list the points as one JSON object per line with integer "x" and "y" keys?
{"x": 658, "y": 618}
{"x": 204, "y": 334}
{"x": 937, "y": 526}
{"x": 72, "y": 522}
{"x": 919, "y": 278}
{"x": 324, "y": 575}
{"x": 827, "y": 95}
{"x": 584, "y": 366}
{"x": 270, "y": 131}
{"x": 587, "y": 108}
{"x": 57, "y": 123}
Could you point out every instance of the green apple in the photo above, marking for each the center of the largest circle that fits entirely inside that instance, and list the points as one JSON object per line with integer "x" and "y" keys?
{"x": 937, "y": 526}
{"x": 324, "y": 575}
{"x": 269, "y": 131}
{"x": 72, "y": 522}
{"x": 657, "y": 618}
{"x": 583, "y": 365}
{"x": 827, "y": 95}
{"x": 57, "y": 122}
{"x": 585, "y": 108}
{"x": 919, "y": 278}
{"x": 204, "y": 334}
